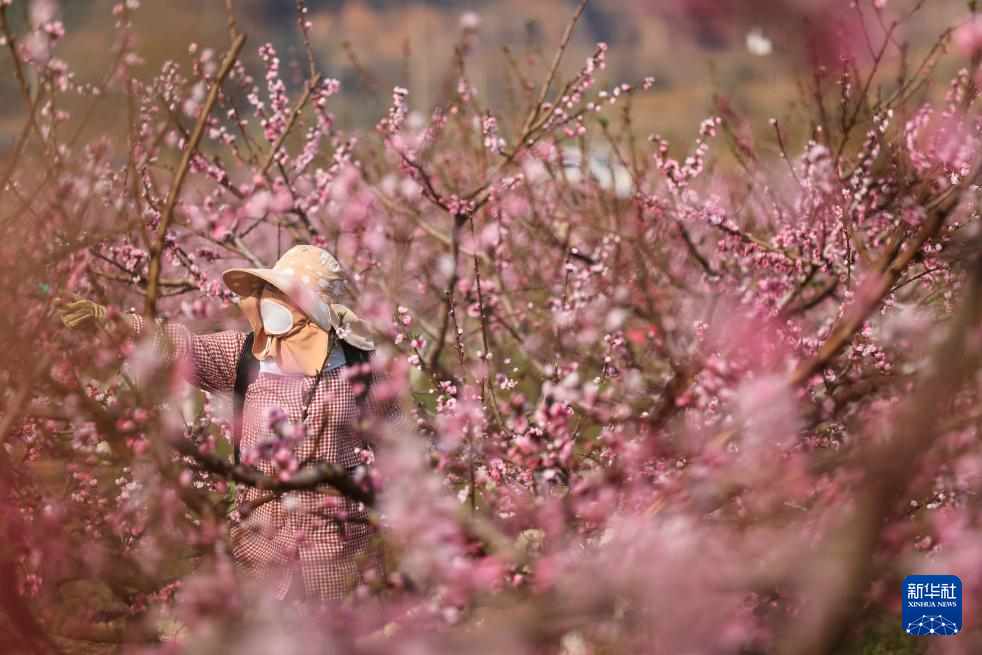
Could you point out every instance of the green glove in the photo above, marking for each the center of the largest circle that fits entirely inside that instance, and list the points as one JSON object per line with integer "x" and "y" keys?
{"x": 81, "y": 313}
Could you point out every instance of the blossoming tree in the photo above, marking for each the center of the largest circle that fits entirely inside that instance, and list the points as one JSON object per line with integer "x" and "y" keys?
{"x": 716, "y": 397}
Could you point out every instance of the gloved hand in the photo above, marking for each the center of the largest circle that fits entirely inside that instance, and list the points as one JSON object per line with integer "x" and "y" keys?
{"x": 79, "y": 312}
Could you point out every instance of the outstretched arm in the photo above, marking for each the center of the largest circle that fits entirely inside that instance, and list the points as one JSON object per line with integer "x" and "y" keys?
{"x": 208, "y": 360}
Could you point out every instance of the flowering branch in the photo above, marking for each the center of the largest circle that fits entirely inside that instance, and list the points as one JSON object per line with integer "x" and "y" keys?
{"x": 167, "y": 215}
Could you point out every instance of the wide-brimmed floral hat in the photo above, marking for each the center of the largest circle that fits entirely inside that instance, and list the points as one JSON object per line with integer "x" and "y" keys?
{"x": 312, "y": 278}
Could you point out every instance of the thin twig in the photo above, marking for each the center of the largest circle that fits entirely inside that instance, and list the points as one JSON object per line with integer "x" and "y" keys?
{"x": 553, "y": 68}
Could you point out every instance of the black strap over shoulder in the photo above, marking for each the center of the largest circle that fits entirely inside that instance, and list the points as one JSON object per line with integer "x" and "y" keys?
{"x": 247, "y": 369}
{"x": 354, "y": 356}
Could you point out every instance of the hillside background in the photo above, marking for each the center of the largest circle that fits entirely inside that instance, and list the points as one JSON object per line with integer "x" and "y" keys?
{"x": 692, "y": 49}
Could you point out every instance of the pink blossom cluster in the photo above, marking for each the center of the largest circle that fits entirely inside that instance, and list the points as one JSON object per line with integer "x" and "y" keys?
{"x": 708, "y": 397}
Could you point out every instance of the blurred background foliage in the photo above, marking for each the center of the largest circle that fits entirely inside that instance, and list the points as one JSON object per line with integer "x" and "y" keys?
{"x": 695, "y": 50}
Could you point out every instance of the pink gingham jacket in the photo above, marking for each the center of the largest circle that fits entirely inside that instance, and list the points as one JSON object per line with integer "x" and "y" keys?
{"x": 312, "y": 536}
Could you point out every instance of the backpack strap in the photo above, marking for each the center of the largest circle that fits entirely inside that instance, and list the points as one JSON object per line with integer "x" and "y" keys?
{"x": 246, "y": 370}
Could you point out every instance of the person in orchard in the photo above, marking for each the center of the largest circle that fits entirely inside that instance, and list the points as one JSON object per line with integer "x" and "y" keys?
{"x": 304, "y": 543}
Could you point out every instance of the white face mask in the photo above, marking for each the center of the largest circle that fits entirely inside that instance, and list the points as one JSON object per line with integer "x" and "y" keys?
{"x": 277, "y": 319}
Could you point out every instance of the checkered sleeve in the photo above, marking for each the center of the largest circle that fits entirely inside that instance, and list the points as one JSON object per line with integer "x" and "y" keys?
{"x": 208, "y": 360}
{"x": 383, "y": 400}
